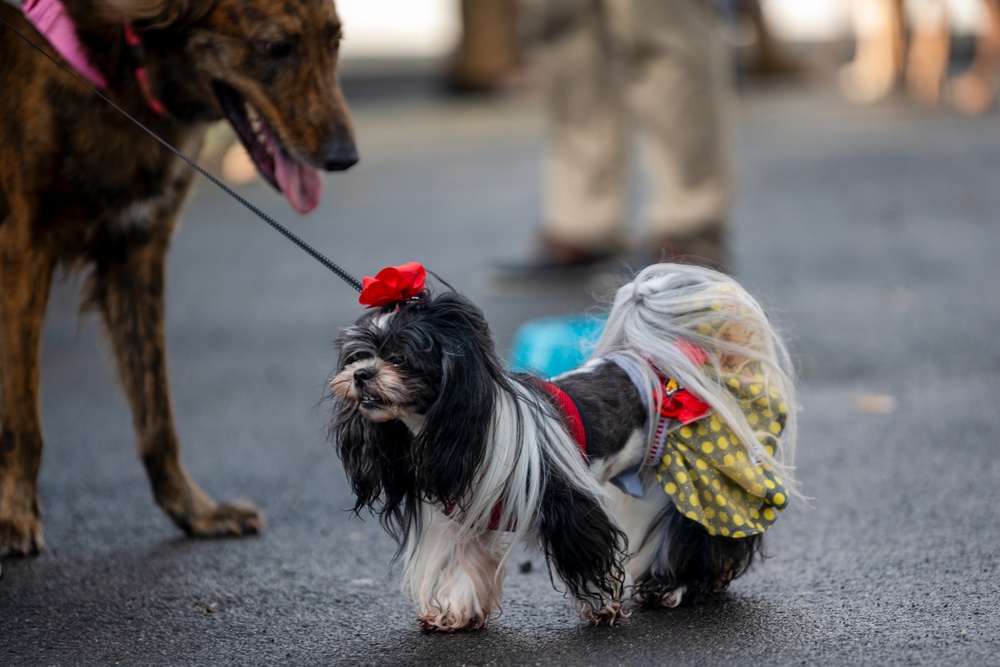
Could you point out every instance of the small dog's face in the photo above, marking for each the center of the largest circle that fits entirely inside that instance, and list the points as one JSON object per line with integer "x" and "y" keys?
{"x": 389, "y": 367}
{"x": 414, "y": 393}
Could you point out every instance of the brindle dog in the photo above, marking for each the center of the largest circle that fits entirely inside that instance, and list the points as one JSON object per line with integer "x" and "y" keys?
{"x": 81, "y": 187}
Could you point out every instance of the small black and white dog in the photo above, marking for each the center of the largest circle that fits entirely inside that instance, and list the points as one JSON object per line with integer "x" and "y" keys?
{"x": 656, "y": 465}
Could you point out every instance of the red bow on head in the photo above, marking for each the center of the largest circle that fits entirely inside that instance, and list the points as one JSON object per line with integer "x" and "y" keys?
{"x": 392, "y": 285}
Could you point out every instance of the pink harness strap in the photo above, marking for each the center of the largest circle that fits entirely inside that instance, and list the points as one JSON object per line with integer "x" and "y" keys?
{"x": 51, "y": 19}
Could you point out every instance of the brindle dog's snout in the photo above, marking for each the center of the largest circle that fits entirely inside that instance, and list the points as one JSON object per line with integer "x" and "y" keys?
{"x": 340, "y": 154}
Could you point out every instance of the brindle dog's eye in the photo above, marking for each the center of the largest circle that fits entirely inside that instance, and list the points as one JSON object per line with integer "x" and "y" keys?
{"x": 277, "y": 48}
{"x": 397, "y": 360}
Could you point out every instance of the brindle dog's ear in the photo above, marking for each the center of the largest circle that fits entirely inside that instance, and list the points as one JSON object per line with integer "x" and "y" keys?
{"x": 157, "y": 13}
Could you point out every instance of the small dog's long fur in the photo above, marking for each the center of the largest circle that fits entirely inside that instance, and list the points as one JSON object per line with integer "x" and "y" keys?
{"x": 462, "y": 459}
{"x": 82, "y": 187}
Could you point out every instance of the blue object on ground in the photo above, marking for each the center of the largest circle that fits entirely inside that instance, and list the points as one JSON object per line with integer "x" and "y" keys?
{"x": 549, "y": 346}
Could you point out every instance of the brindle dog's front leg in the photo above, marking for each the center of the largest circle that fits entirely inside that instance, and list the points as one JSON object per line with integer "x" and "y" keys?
{"x": 25, "y": 277}
{"x": 129, "y": 290}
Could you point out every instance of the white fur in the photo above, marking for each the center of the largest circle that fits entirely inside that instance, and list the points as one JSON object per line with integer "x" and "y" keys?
{"x": 454, "y": 568}
{"x": 454, "y": 564}
{"x": 143, "y": 214}
{"x": 453, "y": 577}
{"x": 670, "y": 302}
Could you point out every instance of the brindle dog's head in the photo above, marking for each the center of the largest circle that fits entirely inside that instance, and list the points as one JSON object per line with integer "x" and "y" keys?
{"x": 269, "y": 66}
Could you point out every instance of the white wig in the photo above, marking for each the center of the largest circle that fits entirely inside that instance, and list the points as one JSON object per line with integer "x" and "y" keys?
{"x": 667, "y": 303}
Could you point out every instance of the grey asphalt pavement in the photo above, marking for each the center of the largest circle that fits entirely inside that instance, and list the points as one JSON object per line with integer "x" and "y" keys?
{"x": 872, "y": 234}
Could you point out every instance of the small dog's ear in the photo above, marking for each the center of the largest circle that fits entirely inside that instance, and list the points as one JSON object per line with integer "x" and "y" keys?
{"x": 376, "y": 459}
{"x": 454, "y": 437}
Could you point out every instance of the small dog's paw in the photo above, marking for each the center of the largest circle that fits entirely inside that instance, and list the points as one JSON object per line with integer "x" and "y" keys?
{"x": 21, "y": 536}
{"x": 607, "y": 614}
{"x": 224, "y": 519}
{"x": 448, "y": 621}
{"x": 668, "y": 598}
{"x": 721, "y": 583}
{"x": 674, "y": 598}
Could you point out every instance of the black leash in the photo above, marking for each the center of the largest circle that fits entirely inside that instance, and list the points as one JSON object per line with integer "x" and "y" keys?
{"x": 281, "y": 229}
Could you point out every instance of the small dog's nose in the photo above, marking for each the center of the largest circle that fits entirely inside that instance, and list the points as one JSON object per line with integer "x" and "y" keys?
{"x": 363, "y": 375}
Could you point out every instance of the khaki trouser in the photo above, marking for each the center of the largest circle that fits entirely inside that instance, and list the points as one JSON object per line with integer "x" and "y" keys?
{"x": 608, "y": 65}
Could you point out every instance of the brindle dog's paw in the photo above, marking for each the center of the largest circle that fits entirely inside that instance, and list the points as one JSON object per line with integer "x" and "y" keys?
{"x": 21, "y": 536}
{"x": 233, "y": 519}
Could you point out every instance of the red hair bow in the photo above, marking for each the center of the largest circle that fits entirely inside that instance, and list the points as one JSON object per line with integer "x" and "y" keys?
{"x": 392, "y": 285}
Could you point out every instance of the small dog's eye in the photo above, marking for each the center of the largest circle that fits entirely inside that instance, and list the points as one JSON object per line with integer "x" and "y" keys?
{"x": 357, "y": 356}
{"x": 277, "y": 48}
{"x": 397, "y": 360}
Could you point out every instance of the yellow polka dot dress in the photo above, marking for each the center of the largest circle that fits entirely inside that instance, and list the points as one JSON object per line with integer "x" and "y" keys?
{"x": 709, "y": 475}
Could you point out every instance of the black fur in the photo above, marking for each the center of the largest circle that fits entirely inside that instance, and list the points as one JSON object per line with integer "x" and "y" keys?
{"x": 377, "y": 460}
{"x": 448, "y": 353}
{"x": 580, "y": 540}
{"x": 611, "y": 404}
{"x": 688, "y": 556}
{"x": 455, "y": 377}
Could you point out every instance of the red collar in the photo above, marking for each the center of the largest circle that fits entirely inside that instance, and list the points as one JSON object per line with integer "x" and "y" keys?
{"x": 574, "y": 420}
{"x": 141, "y": 73}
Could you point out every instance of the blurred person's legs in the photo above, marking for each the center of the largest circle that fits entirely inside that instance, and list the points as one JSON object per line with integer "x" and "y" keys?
{"x": 606, "y": 63}
{"x": 487, "y": 51}
{"x": 879, "y": 27}
{"x": 927, "y": 57}
{"x": 679, "y": 90}
{"x": 768, "y": 57}
{"x": 974, "y": 91}
{"x": 585, "y": 184}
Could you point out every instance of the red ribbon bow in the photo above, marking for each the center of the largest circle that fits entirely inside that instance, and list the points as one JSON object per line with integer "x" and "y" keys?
{"x": 393, "y": 285}
{"x": 684, "y": 406}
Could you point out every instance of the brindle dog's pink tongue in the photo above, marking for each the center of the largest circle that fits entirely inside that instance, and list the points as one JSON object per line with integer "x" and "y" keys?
{"x": 300, "y": 183}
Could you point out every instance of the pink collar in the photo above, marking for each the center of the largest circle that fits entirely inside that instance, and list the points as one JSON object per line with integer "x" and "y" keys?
{"x": 51, "y": 19}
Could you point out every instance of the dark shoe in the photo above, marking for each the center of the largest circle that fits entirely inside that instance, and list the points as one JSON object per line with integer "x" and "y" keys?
{"x": 706, "y": 247}
{"x": 550, "y": 257}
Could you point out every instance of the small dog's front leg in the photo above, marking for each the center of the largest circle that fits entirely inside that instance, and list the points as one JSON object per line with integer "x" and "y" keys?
{"x": 607, "y": 612}
{"x": 453, "y": 579}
